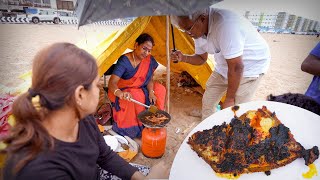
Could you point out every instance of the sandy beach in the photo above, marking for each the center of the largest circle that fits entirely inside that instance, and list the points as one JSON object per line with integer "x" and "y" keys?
{"x": 19, "y": 43}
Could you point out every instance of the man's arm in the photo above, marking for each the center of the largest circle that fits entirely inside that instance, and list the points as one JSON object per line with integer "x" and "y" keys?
{"x": 196, "y": 59}
{"x": 235, "y": 71}
{"x": 311, "y": 65}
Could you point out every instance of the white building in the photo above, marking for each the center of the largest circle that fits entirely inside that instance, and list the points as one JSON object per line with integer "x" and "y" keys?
{"x": 262, "y": 19}
{"x": 310, "y": 26}
{"x": 19, "y": 5}
{"x": 291, "y": 22}
{"x": 298, "y": 24}
{"x": 63, "y": 4}
{"x": 316, "y": 26}
{"x": 305, "y": 25}
{"x": 281, "y": 21}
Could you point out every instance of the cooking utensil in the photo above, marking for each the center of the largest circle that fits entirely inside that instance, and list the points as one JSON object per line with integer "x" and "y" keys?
{"x": 142, "y": 117}
{"x": 152, "y": 108}
{"x": 122, "y": 141}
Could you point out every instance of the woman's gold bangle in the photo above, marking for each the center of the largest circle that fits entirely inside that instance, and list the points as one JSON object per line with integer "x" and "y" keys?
{"x": 116, "y": 91}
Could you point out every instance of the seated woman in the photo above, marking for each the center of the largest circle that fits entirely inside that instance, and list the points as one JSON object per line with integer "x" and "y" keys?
{"x": 55, "y": 136}
{"x": 133, "y": 78}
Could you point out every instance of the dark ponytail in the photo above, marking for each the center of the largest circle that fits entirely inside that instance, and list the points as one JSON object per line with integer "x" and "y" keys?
{"x": 56, "y": 72}
{"x": 28, "y": 134}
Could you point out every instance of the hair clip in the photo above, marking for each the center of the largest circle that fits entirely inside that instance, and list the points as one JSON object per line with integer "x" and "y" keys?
{"x": 36, "y": 102}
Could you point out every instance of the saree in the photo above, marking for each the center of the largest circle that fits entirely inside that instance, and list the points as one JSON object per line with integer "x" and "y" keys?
{"x": 134, "y": 81}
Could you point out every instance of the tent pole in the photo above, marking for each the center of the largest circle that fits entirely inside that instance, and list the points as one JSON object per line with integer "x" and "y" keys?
{"x": 168, "y": 64}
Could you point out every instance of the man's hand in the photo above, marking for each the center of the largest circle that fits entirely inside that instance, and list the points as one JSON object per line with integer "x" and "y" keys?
{"x": 228, "y": 102}
{"x": 196, "y": 59}
{"x": 176, "y": 56}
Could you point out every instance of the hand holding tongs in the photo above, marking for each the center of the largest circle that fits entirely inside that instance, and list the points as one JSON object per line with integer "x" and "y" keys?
{"x": 151, "y": 108}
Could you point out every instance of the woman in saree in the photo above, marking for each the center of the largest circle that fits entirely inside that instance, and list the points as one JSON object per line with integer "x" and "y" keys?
{"x": 133, "y": 78}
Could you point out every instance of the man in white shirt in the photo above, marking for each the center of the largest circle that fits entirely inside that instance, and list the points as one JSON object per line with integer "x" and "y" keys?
{"x": 242, "y": 56}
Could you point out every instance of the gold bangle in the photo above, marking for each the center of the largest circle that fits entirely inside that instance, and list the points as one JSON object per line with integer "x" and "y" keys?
{"x": 116, "y": 91}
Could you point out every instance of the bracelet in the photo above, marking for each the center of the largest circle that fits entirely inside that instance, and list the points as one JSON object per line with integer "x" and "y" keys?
{"x": 116, "y": 91}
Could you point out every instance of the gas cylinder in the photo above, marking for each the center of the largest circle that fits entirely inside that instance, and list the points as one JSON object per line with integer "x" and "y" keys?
{"x": 153, "y": 142}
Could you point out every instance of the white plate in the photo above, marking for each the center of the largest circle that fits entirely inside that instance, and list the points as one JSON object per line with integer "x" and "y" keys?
{"x": 111, "y": 141}
{"x": 303, "y": 124}
{"x": 121, "y": 139}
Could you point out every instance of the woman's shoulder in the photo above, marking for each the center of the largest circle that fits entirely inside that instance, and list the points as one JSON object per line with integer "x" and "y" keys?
{"x": 153, "y": 60}
{"x": 90, "y": 121}
{"x": 123, "y": 57}
{"x": 123, "y": 60}
{"x": 43, "y": 166}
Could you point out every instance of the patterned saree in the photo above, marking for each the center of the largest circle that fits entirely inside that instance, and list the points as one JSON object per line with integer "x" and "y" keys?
{"x": 135, "y": 81}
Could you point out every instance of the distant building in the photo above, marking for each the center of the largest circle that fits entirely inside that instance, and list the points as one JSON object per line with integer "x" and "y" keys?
{"x": 63, "y": 4}
{"x": 20, "y": 5}
{"x": 298, "y": 24}
{"x": 268, "y": 20}
{"x": 305, "y": 24}
{"x": 310, "y": 26}
{"x": 261, "y": 19}
{"x": 316, "y": 26}
{"x": 291, "y": 22}
{"x": 281, "y": 21}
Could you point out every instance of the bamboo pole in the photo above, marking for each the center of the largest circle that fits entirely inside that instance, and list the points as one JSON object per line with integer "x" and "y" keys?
{"x": 168, "y": 65}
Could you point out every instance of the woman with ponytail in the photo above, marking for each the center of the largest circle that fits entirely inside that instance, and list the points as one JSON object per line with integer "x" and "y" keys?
{"x": 55, "y": 136}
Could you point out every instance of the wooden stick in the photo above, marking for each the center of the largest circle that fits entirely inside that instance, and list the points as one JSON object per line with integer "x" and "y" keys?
{"x": 168, "y": 65}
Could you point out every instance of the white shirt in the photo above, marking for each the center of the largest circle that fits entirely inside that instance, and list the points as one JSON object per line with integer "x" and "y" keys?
{"x": 230, "y": 36}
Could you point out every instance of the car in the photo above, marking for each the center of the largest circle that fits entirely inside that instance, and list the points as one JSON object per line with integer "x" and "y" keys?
{"x": 286, "y": 32}
{"x": 65, "y": 13}
{"x": 271, "y": 31}
{"x": 37, "y": 15}
{"x": 67, "y": 16}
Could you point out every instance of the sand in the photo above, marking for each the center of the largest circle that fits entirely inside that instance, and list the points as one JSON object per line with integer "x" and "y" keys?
{"x": 19, "y": 43}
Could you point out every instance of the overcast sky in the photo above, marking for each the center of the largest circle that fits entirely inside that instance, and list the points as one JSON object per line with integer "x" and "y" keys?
{"x": 306, "y": 8}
